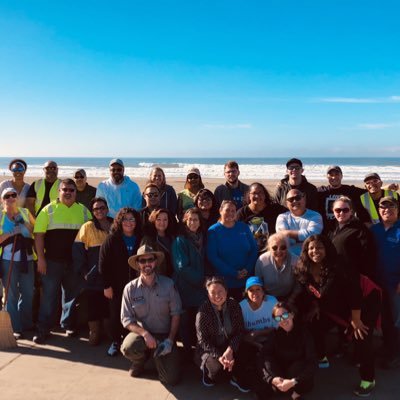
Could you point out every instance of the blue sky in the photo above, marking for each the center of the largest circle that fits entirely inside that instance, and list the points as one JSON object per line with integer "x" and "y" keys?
{"x": 199, "y": 78}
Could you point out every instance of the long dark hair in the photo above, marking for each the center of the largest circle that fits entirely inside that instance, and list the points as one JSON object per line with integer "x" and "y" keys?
{"x": 171, "y": 228}
{"x": 94, "y": 219}
{"x": 207, "y": 193}
{"x": 117, "y": 223}
{"x": 267, "y": 196}
{"x": 303, "y": 267}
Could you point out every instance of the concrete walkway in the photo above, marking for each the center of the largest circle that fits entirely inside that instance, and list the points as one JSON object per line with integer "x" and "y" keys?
{"x": 68, "y": 368}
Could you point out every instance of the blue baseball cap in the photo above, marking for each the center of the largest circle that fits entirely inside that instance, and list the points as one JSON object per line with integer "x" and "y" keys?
{"x": 253, "y": 280}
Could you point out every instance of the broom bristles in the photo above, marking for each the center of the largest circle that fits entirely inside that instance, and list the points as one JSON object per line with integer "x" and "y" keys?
{"x": 7, "y": 339}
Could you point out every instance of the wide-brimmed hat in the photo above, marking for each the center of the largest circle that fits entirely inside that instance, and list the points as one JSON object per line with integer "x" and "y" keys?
{"x": 143, "y": 250}
{"x": 8, "y": 190}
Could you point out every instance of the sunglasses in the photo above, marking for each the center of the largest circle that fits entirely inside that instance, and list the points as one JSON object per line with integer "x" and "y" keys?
{"x": 116, "y": 169}
{"x": 128, "y": 220}
{"x": 281, "y": 248}
{"x": 148, "y": 260}
{"x": 151, "y": 195}
{"x": 294, "y": 168}
{"x": 298, "y": 197}
{"x": 18, "y": 169}
{"x": 79, "y": 177}
{"x": 284, "y": 316}
{"x": 101, "y": 208}
{"x": 341, "y": 210}
{"x": 10, "y": 196}
{"x": 67, "y": 190}
{"x": 50, "y": 168}
{"x": 192, "y": 176}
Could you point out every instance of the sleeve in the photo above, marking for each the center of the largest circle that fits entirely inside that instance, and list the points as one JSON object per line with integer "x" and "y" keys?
{"x": 31, "y": 191}
{"x": 105, "y": 262}
{"x": 313, "y": 227}
{"x": 253, "y": 252}
{"x": 258, "y": 269}
{"x": 136, "y": 197}
{"x": 100, "y": 192}
{"x": 310, "y": 359}
{"x": 42, "y": 222}
{"x": 205, "y": 333}
{"x": 181, "y": 260}
{"x": 281, "y": 223}
{"x": 267, "y": 359}
{"x": 218, "y": 193}
{"x": 127, "y": 311}
{"x": 213, "y": 255}
{"x": 79, "y": 258}
{"x": 175, "y": 301}
{"x": 172, "y": 200}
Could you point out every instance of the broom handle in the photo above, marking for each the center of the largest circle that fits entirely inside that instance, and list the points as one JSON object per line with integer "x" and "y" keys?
{"x": 10, "y": 270}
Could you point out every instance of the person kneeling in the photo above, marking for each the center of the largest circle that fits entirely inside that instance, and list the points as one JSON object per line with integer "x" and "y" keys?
{"x": 150, "y": 310}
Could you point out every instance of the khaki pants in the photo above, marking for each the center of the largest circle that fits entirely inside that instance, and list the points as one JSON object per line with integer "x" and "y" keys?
{"x": 168, "y": 367}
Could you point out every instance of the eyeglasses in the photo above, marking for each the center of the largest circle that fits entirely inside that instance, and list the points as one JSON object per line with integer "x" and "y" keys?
{"x": 116, "y": 169}
{"x": 344, "y": 210}
{"x": 294, "y": 168}
{"x": 284, "y": 316}
{"x": 298, "y": 197}
{"x": 67, "y": 190}
{"x": 147, "y": 260}
{"x": 386, "y": 206}
{"x": 192, "y": 176}
{"x": 10, "y": 196}
{"x": 281, "y": 248}
{"x": 101, "y": 208}
{"x": 79, "y": 177}
{"x": 50, "y": 168}
{"x": 18, "y": 169}
{"x": 151, "y": 195}
{"x": 128, "y": 219}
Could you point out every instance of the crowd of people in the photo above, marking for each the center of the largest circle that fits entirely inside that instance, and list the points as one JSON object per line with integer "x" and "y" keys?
{"x": 250, "y": 283}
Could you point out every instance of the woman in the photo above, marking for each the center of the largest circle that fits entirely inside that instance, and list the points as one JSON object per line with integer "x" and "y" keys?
{"x": 122, "y": 243}
{"x": 160, "y": 236}
{"x": 260, "y": 214}
{"x": 288, "y": 359}
{"x": 188, "y": 256}
{"x": 206, "y": 202}
{"x": 219, "y": 328}
{"x": 231, "y": 249}
{"x": 168, "y": 197}
{"x": 330, "y": 298}
{"x": 18, "y": 168}
{"x": 186, "y": 197}
{"x": 276, "y": 267}
{"x": 85, "y": 254}
{"x": 16, "y": 260}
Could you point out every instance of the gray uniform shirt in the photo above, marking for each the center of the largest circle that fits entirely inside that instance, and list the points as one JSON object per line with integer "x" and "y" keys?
{"x": 151, "y": 307}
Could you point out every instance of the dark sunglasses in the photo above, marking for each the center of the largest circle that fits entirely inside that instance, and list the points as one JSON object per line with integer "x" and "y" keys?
{"x": 50, "y": 168}
{"x": 116, "y": 169}
{"x": 143, "y": 261}
{"x": 341, "y": 210}
{"x": 294, "y": 168}
{"x": 281, "y": 248}
{"x": 151, "y": 195}
{"x": 101, "y": 208}
{"x": 79, "y": 177}
{"x": 68, "y": 190}
{"x": 10, "y": 196}
{"x": 298, "y": 197}
{"x": 128, "y": 220}
{"x": 192, "y": 176}
{"x": 18, "y": 169}
{"x": 284, "y": 316}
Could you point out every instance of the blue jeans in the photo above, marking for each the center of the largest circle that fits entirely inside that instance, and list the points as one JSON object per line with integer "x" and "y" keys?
{"x": 59, "y": 275}
{"x": 20, "y": 294}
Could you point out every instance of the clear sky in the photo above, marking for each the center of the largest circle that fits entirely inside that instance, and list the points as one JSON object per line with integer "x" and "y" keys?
{"x": 199, "y": 78}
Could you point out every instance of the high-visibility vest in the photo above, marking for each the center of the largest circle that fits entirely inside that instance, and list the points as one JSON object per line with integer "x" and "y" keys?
{"x": 76, "y": 219}
{"x": 368, "y": 204}
{"x": 25, "y": 215}
{"x": 40, "y": 189}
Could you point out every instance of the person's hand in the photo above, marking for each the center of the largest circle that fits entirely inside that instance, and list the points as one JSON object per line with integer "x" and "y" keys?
{"x": 286, "y": 384}
{"x": 277, "y": 381}
{"x": 360, "y": 330}
{"x": 164, "y": 348}
{"x": 227, "y": 359}
{"x": 42, "y": 266}
{"x": 149, "y": 340}
{"x": 108, "y": 293}
{"x": 394, "y": 187}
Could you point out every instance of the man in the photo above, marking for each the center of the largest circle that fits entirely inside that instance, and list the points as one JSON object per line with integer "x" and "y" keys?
{"x": 298, "y": 223}
{"x": 150, "y": 311}
{"x": 328, "y": 194}
{"x": 232, "y": 189}
{"x": 295, "y": 180}
{"x": 370, "y": 200}
{"x": 119, "y": 190}
{"x": 55, "y": 230}
{"x": 84, "y": 192}
{"x": 43, "y": 191}
{"x": 151, "y": 195}
{"x": 387, "y": 238}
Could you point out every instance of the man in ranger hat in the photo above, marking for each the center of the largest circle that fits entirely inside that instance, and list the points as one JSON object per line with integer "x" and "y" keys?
{"x": 150, "y": 310}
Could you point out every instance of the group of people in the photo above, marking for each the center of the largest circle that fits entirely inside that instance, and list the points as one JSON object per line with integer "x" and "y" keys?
{"x": 250, "y": 283}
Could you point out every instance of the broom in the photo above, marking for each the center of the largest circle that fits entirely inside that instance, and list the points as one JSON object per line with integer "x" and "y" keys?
{"x": 7, "y": 339}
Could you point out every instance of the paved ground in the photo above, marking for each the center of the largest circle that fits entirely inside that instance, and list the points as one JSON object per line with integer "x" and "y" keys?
{"x": 68, "y": 368}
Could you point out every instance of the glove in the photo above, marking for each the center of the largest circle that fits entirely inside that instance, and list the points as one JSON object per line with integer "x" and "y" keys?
{"x": 164, "y": 348}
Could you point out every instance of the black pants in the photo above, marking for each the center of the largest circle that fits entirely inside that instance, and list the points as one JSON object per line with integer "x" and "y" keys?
{"x": 390, "y": 333}
{"x": 97, "y": 305}
{"x": 117, "y": 331}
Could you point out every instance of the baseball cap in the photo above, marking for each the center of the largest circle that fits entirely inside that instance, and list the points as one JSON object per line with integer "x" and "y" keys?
{"x": 294, "y": 161}
{"x": 253, "y": 280}
{"x": 388, "y": 199}
{"x": 334, "y": 168}
{"x": 116, "y": 161}
{"x": 372, "y": 175}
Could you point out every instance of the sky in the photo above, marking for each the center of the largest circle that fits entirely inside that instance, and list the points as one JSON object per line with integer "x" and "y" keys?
{"x": 199, "y": 78}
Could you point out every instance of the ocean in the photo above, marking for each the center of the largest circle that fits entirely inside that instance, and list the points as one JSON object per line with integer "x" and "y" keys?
{"x": 354, "y": 169}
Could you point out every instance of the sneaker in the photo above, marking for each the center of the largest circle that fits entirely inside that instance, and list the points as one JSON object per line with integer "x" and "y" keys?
{"x": 243, "y": 388}
{"x": 113, "y": 350}
{"x": 18, "y": 335}
{"x": 40, "y": 337}
{"x": 70, "y": 332}
{"x": 206, "y": 380}
{"x": 135, "y": 370}
{"x": 323, "y": 363}
{"x": 364, "y": 389}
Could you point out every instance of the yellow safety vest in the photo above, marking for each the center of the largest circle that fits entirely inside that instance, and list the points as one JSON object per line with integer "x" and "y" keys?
{"x": 368, "y": 204}
{"x": 57, "y": 221}
{"x": 25, "y": 215}
{"x": 40, "y": 189}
